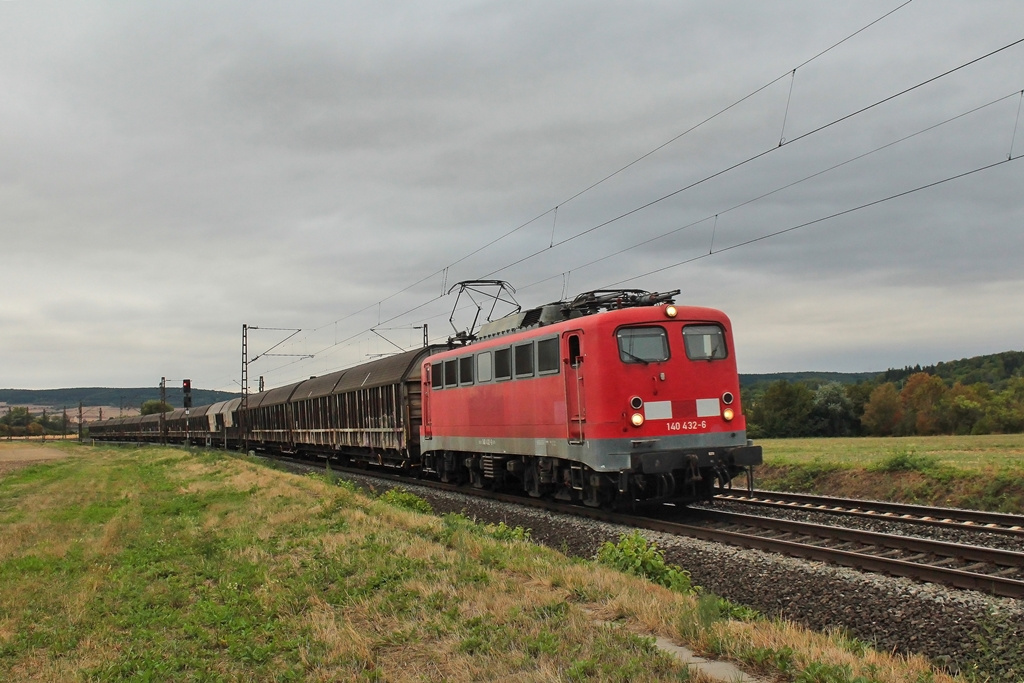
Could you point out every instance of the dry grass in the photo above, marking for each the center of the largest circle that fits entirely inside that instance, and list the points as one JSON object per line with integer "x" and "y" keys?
{"x": 176, "y": 566}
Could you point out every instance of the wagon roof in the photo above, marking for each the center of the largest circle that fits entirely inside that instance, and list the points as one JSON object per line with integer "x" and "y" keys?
{"x": 381, "y": 372}
{"x": 271, "y": 397}
{"x": 228, "y": 406}
{"x": 217, "y": 408}
{"x": 199, "y": 411}
{"x": 376, "y": 373}
{"x": 316, "y": 387}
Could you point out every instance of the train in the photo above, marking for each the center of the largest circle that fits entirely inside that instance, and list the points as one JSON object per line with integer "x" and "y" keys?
{"x": 613, "y": 397}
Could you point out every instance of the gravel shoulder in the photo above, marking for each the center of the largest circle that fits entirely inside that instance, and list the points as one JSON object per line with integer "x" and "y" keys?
{"x": 959, "y": 630}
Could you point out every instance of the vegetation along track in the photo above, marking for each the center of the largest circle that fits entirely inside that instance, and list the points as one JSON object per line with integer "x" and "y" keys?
{"x": 990, "y": 570}
{"x": 950, "y": 518}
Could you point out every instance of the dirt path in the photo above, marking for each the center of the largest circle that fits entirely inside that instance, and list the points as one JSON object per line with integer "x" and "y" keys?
{"x": 17, "y": 454}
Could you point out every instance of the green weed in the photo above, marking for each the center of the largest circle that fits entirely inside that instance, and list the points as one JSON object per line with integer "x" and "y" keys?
{"x": 504, "y": 532}
{"x": 634, "y": 555}
{"x": 904, "y": 459}
{"x": 766, "y": 658}
{"x": 404, "y": 499}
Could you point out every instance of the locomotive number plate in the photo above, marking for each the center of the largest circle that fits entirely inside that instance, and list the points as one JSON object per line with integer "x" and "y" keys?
{"x": 687, "y": 425}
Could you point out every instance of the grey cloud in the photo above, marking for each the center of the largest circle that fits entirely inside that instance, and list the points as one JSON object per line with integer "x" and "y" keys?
{"x": 184, "y": 168}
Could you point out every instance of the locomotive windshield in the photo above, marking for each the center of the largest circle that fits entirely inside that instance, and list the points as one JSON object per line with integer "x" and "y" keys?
{"x": 642, "y": 344}
{"x": 704, "y": 342}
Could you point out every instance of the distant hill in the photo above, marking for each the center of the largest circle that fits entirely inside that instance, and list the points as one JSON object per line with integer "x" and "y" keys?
{"x": 814, "y": 378}
{"x": 995, "y": 370}
{"x": 106, "y": 396}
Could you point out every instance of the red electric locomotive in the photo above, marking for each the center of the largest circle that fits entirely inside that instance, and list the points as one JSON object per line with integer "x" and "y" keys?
{"x": 616, "y": 396}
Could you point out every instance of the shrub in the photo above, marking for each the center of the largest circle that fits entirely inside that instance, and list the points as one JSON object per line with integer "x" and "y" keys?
{"x": 401, "y": 498}
{"x": 634, "y": 555}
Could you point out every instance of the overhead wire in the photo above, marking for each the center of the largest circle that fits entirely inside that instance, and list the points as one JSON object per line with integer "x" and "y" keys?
{"x": 755, "y": 157}
{"x": 627, "y": 166}
{"x": 646, "y": 205}
{"x": 778, "y": 189}
{"x": 784, "y": 142}
{"x": 820, "y": 220}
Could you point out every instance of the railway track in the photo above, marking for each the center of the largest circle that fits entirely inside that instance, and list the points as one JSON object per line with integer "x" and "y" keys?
{"x": 989, "y": 570}
{"x": 951, "y": 518}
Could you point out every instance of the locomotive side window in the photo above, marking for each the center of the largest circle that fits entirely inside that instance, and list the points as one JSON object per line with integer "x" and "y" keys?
{"x": 547, "y": 356}
{"x": 466, "y": 370}
{"x": 436, "y": 376}
{"x": 524, "y": 359}
{"x": 704, "y": 342}
{"x": 642, "y": 344}
{"x": 451, "y": 373}
{"x": 483, "y": 367}
{"x": 503, "y": 364}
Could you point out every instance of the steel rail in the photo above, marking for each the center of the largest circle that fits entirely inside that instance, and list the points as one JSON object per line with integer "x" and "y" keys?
{"x": 954, "y": 518}
{"x": 862, "y": 559}
{"x": 997, "y": 585}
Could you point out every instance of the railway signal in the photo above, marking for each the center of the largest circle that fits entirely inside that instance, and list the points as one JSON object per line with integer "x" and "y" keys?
{"x": 186, "y": 388}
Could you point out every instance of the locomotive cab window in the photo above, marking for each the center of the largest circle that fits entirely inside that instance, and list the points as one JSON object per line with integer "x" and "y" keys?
{"x": 704, "y": 342}
{"x": 642, "y": 344}
{"x": 436, "y": 376}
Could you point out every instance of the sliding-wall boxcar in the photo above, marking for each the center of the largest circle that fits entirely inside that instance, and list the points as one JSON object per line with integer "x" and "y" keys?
{"x": 369, "y": 413}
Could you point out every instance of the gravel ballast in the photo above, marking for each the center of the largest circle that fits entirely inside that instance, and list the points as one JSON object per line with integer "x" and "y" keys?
{"x": 958, "y": 629}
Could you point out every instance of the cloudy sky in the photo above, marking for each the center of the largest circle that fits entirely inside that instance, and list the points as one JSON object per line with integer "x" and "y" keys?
{"x": 172, "y": 170}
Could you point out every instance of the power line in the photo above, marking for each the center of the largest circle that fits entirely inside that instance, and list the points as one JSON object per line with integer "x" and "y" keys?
{"x": 820, "y": 220}
{"x": 676, "y": 192}
{"x": 780, "y": 189}
{"x": 753, "y": 158}
{"x": 627, "y": 166}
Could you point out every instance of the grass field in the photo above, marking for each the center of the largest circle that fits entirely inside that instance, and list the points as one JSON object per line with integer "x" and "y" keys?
{"x": 160, "y": 564}
{"x": 983, "y": 472}
{"x": 967, "y": 453}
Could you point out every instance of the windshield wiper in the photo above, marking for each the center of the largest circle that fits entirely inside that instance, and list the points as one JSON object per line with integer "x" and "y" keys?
{"x": 638, "y": 359}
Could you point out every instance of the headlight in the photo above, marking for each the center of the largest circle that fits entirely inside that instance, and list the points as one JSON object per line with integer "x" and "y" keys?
{"x": 671, "y": 311}
{"x": 728, "y": 414}
{"x": 637, "y": 419}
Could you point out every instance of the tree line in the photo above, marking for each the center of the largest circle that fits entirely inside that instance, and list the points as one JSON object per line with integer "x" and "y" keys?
{"x": 21, "y": 422}
{"x": 912, "y": 401}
